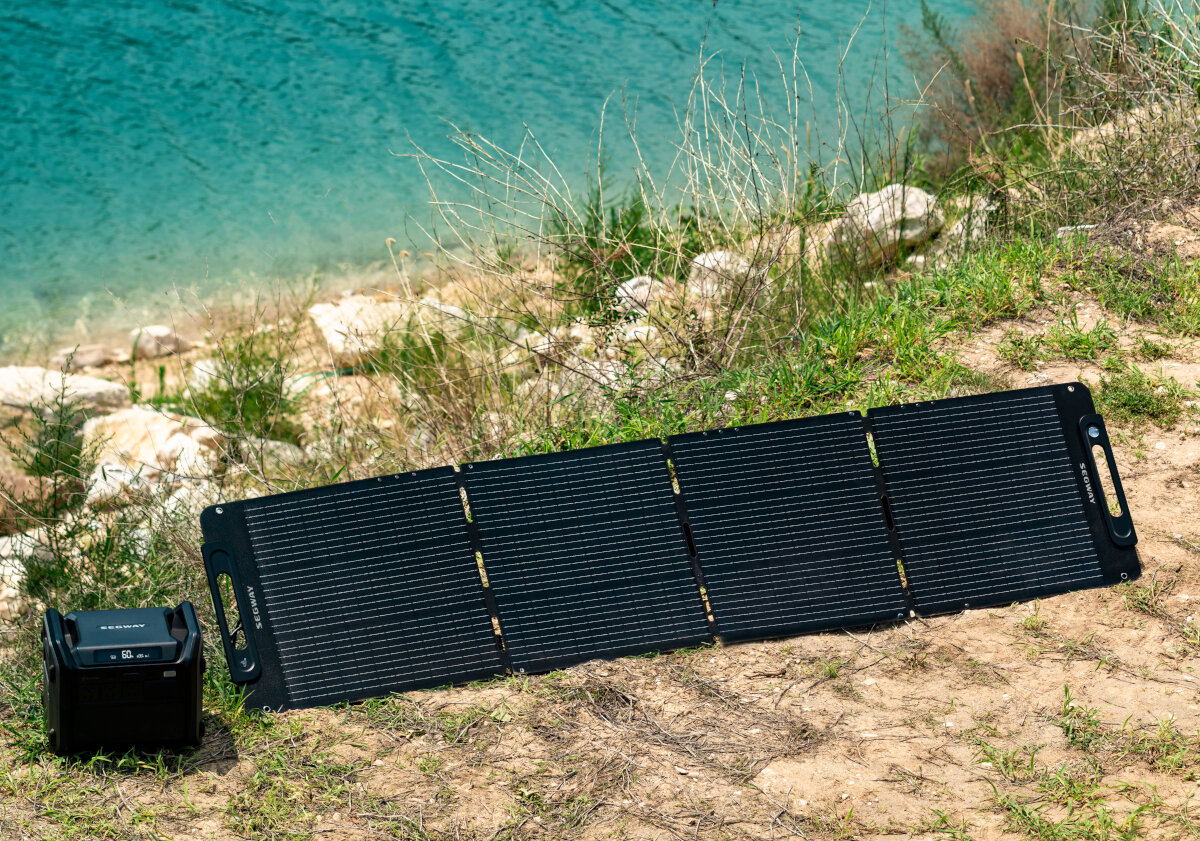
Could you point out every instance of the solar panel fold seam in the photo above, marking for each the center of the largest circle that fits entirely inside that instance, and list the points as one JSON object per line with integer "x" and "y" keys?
{"x": 477, "y": 547}
{"x": 889, "y": 522}
{"x": 685, "y": 526}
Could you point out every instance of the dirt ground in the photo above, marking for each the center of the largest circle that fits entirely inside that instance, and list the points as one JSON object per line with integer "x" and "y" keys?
{"x": 1073, "y": 717}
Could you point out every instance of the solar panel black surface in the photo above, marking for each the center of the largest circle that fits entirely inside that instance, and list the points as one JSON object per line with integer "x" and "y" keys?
{"x": 585, "y": 555}
{"x": 366, "y": 588}
{"x": 356, "y": 590}
{"x": 987, "y": 501}
{"x": 788, "y": 525}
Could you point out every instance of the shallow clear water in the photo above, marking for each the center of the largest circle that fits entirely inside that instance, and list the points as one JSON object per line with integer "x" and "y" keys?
{"x": 151, "y": 145}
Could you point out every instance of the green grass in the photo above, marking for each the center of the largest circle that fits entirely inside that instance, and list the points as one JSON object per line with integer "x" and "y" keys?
{"x": 873, "y": 351}
{"x": 1151, "y": 351}
{"x": 247, "y": 393}
{"x": 1127, "y": 395}
{"x": 1021, "y": 349}
{"x": 1147, "y": 596}
{"x": 1070, "y": 341}
{"x": 1163, "y": 747}
{"x": 1164, "y": 291}
{"x": 1037, "y": 821}
{"x": 1078, "y": 800}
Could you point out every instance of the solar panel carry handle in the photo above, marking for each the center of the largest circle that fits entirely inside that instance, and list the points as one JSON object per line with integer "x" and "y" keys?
{"x": 1120, "y": 526}
{"x": 243, "y": 662}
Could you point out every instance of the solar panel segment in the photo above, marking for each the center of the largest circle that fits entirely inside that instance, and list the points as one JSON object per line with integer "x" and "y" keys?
{"x": 371, "y": 587}
{"x": 986, "y": 500}
{"x": 585, "y": 555}
{"x": 788, "y": 526}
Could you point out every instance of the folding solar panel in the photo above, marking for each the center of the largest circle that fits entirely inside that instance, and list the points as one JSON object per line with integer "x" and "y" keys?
{"x": 585, "y": 555}
{"x": 996, "y": 498}
{"x": 530, "y": 564}
{"x": 788, "y": 526}
{"x": 352, "y": 591}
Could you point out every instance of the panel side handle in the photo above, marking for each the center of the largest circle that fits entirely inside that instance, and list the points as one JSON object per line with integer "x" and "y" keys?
{"x": 243, "y": 662}
{"x": 1120, "y": 523}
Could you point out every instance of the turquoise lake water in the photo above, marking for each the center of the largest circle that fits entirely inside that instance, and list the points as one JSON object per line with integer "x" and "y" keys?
{"x": 156, "y": 145}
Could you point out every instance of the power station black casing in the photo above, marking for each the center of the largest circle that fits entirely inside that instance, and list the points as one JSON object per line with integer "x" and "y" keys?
{"x": 119, "y": 679}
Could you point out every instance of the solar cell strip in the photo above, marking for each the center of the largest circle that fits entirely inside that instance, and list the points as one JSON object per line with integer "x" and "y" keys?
{"x": 585, "y": 555}
{"x": 788, "y": 526}
{"x": 985, "y": 500}
{"x": 371, "y": 587}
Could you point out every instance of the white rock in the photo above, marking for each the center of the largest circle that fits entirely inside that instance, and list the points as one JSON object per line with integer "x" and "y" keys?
{"x": 173, "y": 448}
{"x": 185, "y": 457}
{"x": 357, "y": 326}
{"x": 1068, "y": 230}
{"x": 157, "y": 340}
{"x": 191, "y": 499}
{"x": 952, "y": 243}
{"x": 10, "y": 603}
{"x": 713, "y": 271}
{"x": 86, "y": 356}
{"x": 112, "y": 485}
{"x": 130, "y": 438}
{"x": 277, "y": 453}
{"x": 27, "y": 388}
{"x": 876, "y": 225}
{"x": 203, "y": 373}
{"x": 150, "y": 442}
{"x": 637, "y": 293}
{"x": 640, "y": 334}
{"x": 430, "y": 306}
{"x": 15, "y": 549}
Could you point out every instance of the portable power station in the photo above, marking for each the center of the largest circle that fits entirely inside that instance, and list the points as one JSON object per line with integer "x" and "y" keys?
{"x": 119, "y": 679}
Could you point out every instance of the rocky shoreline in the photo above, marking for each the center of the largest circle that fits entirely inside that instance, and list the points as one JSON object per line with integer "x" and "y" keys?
{"x": 145, "y": 452}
